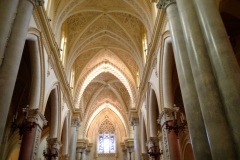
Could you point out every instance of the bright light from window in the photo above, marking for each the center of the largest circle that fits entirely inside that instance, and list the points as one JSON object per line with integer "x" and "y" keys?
{"x": 106, "y": 143}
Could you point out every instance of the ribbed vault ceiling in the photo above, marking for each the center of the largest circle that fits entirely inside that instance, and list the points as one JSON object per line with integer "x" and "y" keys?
{"x": 104, "y": 47}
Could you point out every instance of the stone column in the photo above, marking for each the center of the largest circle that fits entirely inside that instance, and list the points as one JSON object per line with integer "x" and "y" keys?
{"x": 152, "y": 114}
{"x": 65, "y": 139}
{"x": 79, "y": 153}
{"x": 124, "y": 150}
{"x": 225, "y": 66}
{"x": 12, "y": 57}
{"x": 208, "y": 92}
{"x": 170, "y": 138}
{"x": 143, "y": 140}
{"x": 53, "y": 148}
{"x": 192, "y": 108}
{"x": 135, "y": 124}
{"x": 87, "y": 152}
{"x": 8, "y": 11}
{"x": 129, "y": 145}
{"x": 81, "y": 146}
{"x": 73, "y": 140}
{"x": 31, "y": 139}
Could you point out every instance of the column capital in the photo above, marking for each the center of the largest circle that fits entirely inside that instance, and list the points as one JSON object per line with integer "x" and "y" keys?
{"x": 54, "y": 143}
{"x": 129, "y": 143}
{"x": 75, "y": 121}
{"x": 123, "y": 146}
{"x": 163, "y": 4}
{"x": 153, "y": 140}
{"x": 82, "y": 144}
{"x": 167, "y": 115}
{"x": 134, "y": 120}
{"x": 89, "y": 146}
{"x": 37, "y": 2}
{"x": 34, "y": 116}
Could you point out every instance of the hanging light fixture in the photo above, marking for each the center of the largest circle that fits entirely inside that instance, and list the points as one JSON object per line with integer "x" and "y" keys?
{"x": 178, "y": 125}
{"x": 25, "y": 126}
{"x": 154, "y": 152}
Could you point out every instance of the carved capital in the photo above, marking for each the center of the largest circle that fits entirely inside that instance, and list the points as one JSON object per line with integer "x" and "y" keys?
{"x": 129, "y": 143}
{"x": 34, "y": 116}
{"x": 152, "y": 141}
{"x": 37, "y": 2}
{"x": 53, "y": 143}
{"x": 75, "y": 122}
{"x": 133, "y": 116}
{"x": 82, "y": 145}
{"x": 167, "y": 115}
{"x": 134, "y": 121}
{"x": 163, "y": 4}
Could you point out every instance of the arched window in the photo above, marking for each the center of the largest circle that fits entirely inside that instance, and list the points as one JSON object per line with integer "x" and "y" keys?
{"x": 144, "y": 45}
{"x": 106, "y": 138}
{"x": 72, "y": 77}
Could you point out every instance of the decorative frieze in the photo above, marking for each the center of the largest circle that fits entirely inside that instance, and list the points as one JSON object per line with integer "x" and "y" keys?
{"x": 163, "y": 4}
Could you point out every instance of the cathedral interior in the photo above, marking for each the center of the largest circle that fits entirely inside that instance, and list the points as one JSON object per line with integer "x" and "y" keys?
{"x": 120, "y": 79}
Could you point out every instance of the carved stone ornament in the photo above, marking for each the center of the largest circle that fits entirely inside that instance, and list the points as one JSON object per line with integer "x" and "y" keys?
{"x": 75, "y": 122}
{"x": 166, "y": 115}
{"x": 33, "y": 115}
{"x": 134, "y": 121}
{"x": 54, "y": 143}
{"x": 163, "y": 4}
{"x": 153, "y": 140}
{"x": 37, "y": 2}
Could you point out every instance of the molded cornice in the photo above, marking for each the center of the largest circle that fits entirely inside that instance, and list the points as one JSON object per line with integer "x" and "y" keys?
{"x": 52, "y": 48}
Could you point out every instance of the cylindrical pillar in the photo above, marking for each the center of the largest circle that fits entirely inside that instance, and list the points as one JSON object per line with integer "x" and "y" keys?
{"x": 135, "y": 124}
{"x": 224, "y": 63}
{"x": 75, "y": 123}
{"x": 35, "y": 90}
{"x": 192, "y": 108}
{"x": 137, "y": 145}
{"x": 79, "y": 152}
{"x": 31, "y": 139}
{"x": 153, "y": 109}
{"x": 12, "y": 58}
{"x": 168, "y": 97}
{"x": 8, "y": 10}
{"x": 54, "y": 113}
{"x": 210, "y": 101}
{"x": 143, "y": 137}
{"x": 65, "y": 137}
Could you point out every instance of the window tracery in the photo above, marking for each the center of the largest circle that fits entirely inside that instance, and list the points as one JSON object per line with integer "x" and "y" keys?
{"x": 106, "y": 137}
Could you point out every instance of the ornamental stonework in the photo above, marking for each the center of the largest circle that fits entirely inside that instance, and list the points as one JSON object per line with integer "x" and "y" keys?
{"x": 163, "y": 4}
